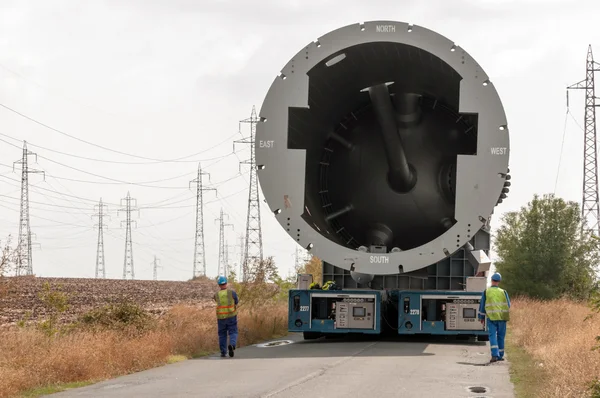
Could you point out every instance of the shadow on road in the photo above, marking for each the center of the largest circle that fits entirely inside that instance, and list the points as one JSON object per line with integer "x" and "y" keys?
{"x": 293, "y": 346}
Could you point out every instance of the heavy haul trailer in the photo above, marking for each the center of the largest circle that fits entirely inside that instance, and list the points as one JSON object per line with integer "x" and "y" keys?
{"x": 383, "y": 149}
{"x": 445, "y": 301}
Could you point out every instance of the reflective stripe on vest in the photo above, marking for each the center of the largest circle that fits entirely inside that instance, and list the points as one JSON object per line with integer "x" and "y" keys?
{"x": 496, "y": 306}
{"x": 225, "y": 304}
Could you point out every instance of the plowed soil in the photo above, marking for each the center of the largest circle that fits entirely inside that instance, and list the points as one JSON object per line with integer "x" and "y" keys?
{"x": 21, "y": 296}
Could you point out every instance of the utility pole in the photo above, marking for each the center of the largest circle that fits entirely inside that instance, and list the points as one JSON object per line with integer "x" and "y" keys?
{"x": 128, "y": 262}
{"x": 24, "y": 256}
{"x": 199, "y": 250}
{"x": 589, "y": 207}
{"x": 253, "y": 250}
{"x": 155, "y": 266}
{"x": 100, "y": 269}
{"x": 222, "y": 255}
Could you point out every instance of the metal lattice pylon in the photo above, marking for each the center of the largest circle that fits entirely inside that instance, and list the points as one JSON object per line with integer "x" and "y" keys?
{"x": 100, "y": 268}
{"x": 128, "y": 261}
{"x": 253, "y": 246}
{"x": 590, "y": 209}
{"x": 199, "y": 249}
{"x": 155, "y": 267}
{"x": 241, "y": 247}
{"x": 24, "y": 256}
{"x": 222, "y": 267}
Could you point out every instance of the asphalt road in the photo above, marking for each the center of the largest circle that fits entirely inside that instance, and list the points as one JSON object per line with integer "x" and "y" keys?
{"x": 323, "y": 368}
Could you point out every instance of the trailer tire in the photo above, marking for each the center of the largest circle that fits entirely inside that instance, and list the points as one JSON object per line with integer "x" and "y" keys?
{"x": 483, "y": 338}
{"x": 311, "y": 335}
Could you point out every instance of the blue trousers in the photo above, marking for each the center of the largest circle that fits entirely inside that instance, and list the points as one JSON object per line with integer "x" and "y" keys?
{"x": 497, "y": 332}
{"x": 227, "y": 326}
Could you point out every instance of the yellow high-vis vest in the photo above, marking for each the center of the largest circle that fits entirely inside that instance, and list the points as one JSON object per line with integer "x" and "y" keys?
{"x": 225, "y": 304}
{"x": 496, "y": 306}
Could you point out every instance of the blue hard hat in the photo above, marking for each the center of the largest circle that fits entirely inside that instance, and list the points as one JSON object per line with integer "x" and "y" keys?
{"x": 221, "y": 280}
{"x": 497, "y": 277}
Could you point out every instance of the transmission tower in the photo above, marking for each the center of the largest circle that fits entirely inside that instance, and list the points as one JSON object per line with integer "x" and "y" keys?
{"x": 241, "y": 247}
{"x": 302, "y": 257}
{"x": 253, "y": 249}
{"x": 128, "y": 262}
{"x": 24, "y": 256}
{"x": 298, "y": 259}
{"x": 100, "y": 270}
{"x": 155, "y": 266}
{"x": 199, "y": 251}
{"x": 222, "y": 256}
{"x": 226, "y": 259}
{"x": 589, "y": 206}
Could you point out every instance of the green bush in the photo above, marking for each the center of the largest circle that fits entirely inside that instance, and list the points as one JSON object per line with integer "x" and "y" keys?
{"x": 118, "y": 316}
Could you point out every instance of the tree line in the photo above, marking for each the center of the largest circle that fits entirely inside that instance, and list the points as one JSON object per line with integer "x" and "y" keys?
{"x": 545, "y": 251}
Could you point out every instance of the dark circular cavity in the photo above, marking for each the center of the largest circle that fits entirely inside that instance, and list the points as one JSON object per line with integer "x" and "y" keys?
{"x": 382, "y": 134}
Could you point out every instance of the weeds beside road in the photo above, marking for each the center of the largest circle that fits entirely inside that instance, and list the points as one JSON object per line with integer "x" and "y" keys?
{"x": 558, "y": 341}
{"x": 121, "y": 338}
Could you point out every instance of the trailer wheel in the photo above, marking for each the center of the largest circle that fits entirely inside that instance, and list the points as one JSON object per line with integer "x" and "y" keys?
{"x": 311, "y": 335}
{"x": 483, "y": 338}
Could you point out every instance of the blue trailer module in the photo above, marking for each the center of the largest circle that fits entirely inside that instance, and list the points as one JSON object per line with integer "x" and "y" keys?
{"x": 383, "y": 149}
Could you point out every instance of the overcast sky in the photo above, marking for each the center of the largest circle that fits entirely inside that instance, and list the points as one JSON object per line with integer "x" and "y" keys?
{"x": 171, "y": 79}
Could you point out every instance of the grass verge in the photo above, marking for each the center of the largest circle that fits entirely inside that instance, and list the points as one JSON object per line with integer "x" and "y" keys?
{"x": 41, "y": 360}
{"x": 38, "y": 392}
{"x": 550, "y": 347}
{"x": 527, "y": 376}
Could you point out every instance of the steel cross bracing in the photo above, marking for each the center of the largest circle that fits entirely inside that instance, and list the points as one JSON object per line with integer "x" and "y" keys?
{"x": 100, "y": 268}
{"x": 222, "y": 253}
{"x": 590, "y": 209}
{"x": 253, "y": 249}
{"x": 128, "y": 261}
{"x": 199, "y": 249}
{"x": 24, "y": 264}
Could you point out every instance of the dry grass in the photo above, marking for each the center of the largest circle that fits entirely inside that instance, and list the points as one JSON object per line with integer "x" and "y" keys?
{"x": 559, "y": 341}
{"x": 30, "y": 359}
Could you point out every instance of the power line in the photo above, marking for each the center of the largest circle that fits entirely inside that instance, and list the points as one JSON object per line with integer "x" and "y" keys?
{"x": 109, "y": 149}
{"x": 562, "y": 145}
{"x": 24, "y": 252}
{"x": 122, "y": 162}
{"x": 253, "y": 250}
{"x": 115, "y": 181}
{"x": 199, "y": 248}
{"x": 128, "y": 261}
{"x": 100, "y": 269}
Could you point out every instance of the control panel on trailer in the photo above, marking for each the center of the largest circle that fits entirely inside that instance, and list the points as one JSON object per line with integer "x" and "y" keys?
{"x": 347, "y": 311}
{"x": 438, "y": 312}
{"x": 334, "y": 311}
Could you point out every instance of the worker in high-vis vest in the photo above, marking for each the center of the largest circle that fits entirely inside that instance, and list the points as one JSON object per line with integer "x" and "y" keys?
{"x": 495, "y": 305}
{"x": 227, "y": 301}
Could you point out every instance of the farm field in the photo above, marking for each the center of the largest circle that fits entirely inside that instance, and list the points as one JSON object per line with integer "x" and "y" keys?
{"x": 20, "y": 297}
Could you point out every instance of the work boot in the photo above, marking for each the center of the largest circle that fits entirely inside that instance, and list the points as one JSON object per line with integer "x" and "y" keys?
{"x": 494, "y": 359}
{"x": 231, "y": 349}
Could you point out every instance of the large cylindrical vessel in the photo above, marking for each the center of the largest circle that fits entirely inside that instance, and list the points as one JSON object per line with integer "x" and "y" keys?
{"x": 383, "y": 148}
